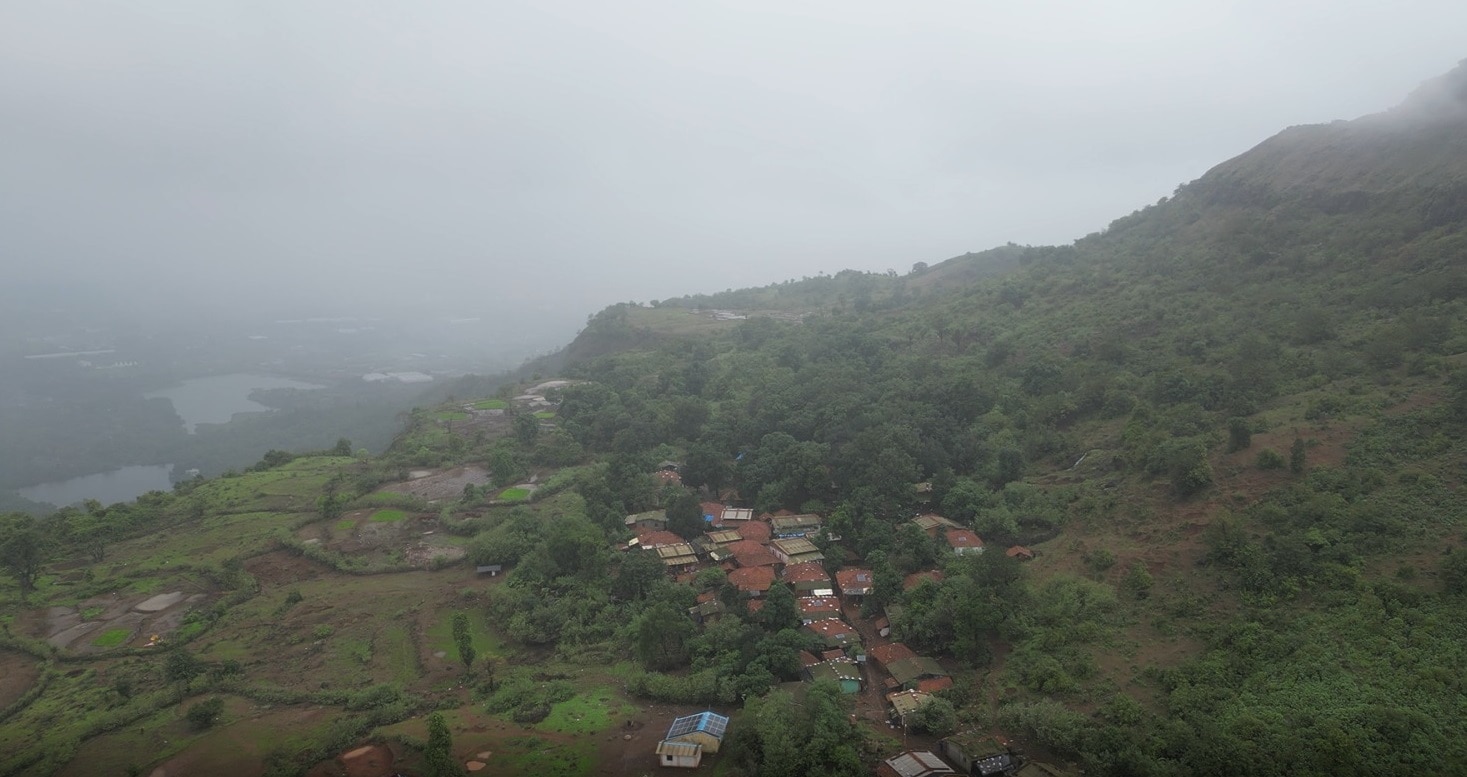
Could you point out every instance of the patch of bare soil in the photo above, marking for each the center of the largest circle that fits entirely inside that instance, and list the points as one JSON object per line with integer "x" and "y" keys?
{"x": 630, "y": 750}
{"x": 17, "y": 673}
{"x": 443, "y": 485}
{"x": 281, "y": 568}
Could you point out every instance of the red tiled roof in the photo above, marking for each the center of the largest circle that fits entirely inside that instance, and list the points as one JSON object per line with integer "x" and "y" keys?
{"x": 808, "y": 659}
{"x": 714, "y": 509}
{"x": 706, "y": 596}
{"x": 963, "y": 538}
{"x": 807, "y": 572}
{"x": 934, "y": 684}
{"x": 832, "y": 627}
{"x": 754, "y": 531}
{"x": 895, "y": 651}
{"x": 854, "y": 579}
{"x": 652, "y": 539}
{"x": 752, "y": 578}
{"x": 1019, "y": 551}
{"x": 752, "y": 554}
{"x": 755, "y": 605}
{"x": 818, "y": 605}
{"x": 915, "y": 579}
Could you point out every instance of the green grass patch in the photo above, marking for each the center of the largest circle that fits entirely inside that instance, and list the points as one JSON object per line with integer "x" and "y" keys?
{"x": 490, "y": 404}
{"x": 388, "y": 516}
{"x": 90, "y": 613}
{"x": 532, "y": 755}
{"x": 345, "y": 524}
{"x": 515, "y": 494}
{"x": 451, "y": 415}
{"x": 544, "y": 415}
{"x": 587, "y": 713}
{"x": 486, "y": 642}
{"x": 112, "y": 638}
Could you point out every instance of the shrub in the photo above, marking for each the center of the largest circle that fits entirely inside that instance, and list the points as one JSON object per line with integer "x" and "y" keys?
{"x": 1268, "y": 458}
{"x": 205, "y": 713}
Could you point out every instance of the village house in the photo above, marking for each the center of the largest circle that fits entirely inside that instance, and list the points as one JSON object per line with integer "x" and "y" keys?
{"x": 808, "y": 578}
{"x": 964, "y": 542}
{"x": 882, "y": 655}
{"x": 817, "y": 608}
{"x": 932, "y": 523}
{"x": 1020, "y": 552}
{"x": 915, "y": 579}
{"x": 854, "y": 582}
{"x": 901, "y": 705}
{"x": 834, "y": 633}
{"x": 677, "y": 557}
{"x": 979, "y": 754}
{"x": 690, "y": 737}
{"x": 754, "y": 531}
{"x": 843, "y": 671}
{"x": 654, "y": 539}
{"x": 919, "y": 673}
{"x": 751, "y": 554}
{"x": 785, "y": 526}
{"x": 723, "y": 536}
{"x": 648, "y": 521}
{"x": 914, "y": 763}
{"x": 712, "y": 513}
{"x": 752, "y": 581}
{"x": 796, "y": 551}
{"x": 737, "y": 514}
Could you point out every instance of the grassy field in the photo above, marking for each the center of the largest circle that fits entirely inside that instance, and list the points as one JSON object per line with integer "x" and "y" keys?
{"x": 515, "y": 494}
{"x": 112, "y": 638}
{"x": 587, "y": 713}
{"x": 490, "y": 404}
{"x": 544, "y": 415}
{"x": 388, "y": 516}
{"x": 451, "y": 415}
{"x": 440, "y": 634}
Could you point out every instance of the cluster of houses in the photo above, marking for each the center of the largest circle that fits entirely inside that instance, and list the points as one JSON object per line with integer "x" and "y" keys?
{"x": 756, "y": 552}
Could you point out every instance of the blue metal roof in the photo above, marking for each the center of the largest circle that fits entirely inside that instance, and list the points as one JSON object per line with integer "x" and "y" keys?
{"x": 708, "y": 722}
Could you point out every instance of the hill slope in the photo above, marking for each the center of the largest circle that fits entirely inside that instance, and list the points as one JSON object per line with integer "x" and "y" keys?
{"x": 1230, "y": 428}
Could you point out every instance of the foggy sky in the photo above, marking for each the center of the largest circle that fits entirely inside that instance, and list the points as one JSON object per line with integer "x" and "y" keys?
{"x": 519, "y": 155}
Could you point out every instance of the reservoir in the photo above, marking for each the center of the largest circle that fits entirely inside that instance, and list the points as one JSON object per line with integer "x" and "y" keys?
{"x": 214, "y": 400}
{"x": 120, "y": 485}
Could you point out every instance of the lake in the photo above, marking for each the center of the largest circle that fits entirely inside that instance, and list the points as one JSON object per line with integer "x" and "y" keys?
{"x": 119, "y": 485}
{"x": 215, "y": 400}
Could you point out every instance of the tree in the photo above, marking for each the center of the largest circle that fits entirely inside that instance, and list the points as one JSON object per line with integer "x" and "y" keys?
{"x": 1138, "y": 580}
{"x": 685, "y": 515}
{"x": 23, "y": 550}
{"x": 526, "y": 429}
{"x": 205, "y": 713}
{"x": 181, "y": 666}
{"x": 1240, "y": 435}
{"x": 464, "y": 640}
{"x": 342, "y": 447}
{"x": 937, "y": 717}
{"x": 660, "y": 636}
{"x": 779, "y": 611}
{"x": 1296, "y": 456}
{"x": 1454, "y": 572}
{"x": 439, "y": 750}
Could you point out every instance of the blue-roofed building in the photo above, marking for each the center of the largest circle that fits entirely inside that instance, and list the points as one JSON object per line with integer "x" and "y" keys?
{"x": 690, "y": 737}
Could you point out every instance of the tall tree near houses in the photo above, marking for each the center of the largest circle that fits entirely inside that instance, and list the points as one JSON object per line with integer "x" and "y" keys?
{"x": 464, "y": 640}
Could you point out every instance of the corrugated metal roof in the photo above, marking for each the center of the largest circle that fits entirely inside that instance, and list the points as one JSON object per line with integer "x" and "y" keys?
{"x": 678, "y": 749}
{"x": 708, "y": 722}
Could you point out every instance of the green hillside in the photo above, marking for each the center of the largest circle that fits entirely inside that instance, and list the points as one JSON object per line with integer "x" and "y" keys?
{"x": 1229, "y": 429}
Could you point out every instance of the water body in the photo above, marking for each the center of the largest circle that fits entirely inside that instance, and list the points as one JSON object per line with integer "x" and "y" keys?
{"x": 120, "y": 485}
{"x": 216, "y": 399}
